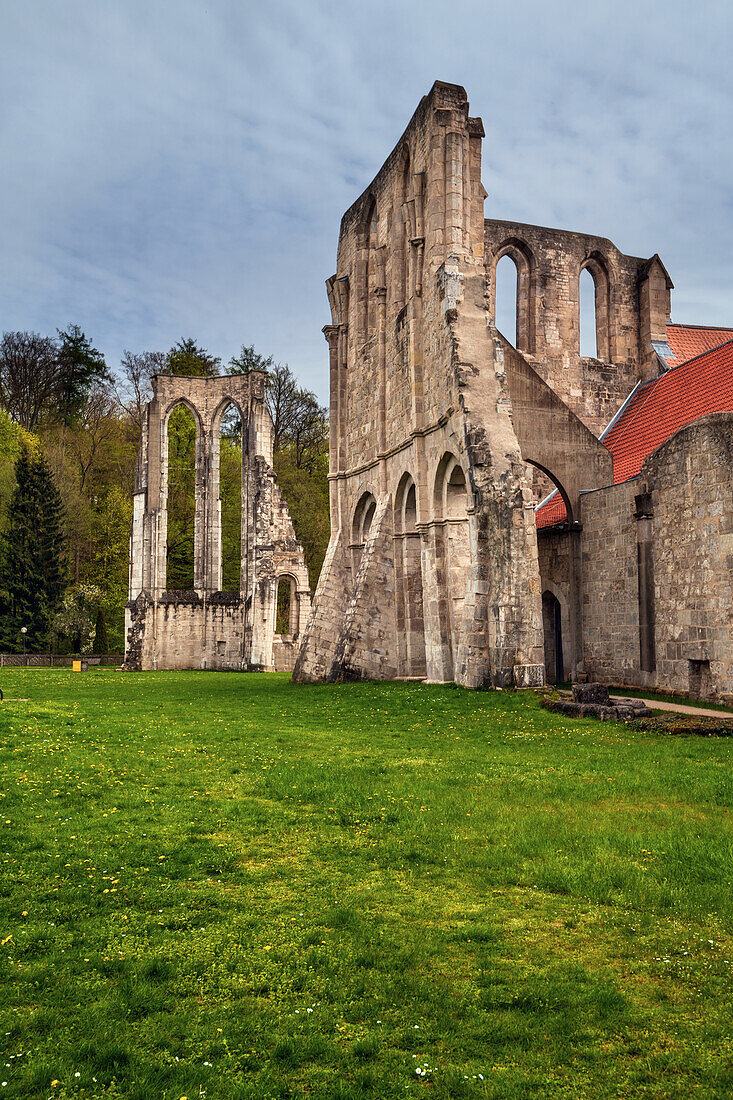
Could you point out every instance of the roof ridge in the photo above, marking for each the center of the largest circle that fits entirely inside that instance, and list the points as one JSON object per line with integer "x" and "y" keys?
{"x": 701, "y": 355}
{"x": 703, "y": 328}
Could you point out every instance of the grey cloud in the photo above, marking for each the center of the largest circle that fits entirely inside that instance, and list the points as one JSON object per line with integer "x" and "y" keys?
{"x": 180, "y": 169}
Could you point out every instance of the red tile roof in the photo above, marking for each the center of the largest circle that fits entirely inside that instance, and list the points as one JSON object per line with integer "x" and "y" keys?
{"x": 657, "y": 410}
{"x": 689, "y": 341}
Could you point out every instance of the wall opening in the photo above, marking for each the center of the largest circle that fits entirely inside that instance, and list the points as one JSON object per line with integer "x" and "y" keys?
{"x": 513, "y": 294}
{"x": 453, "y": 551}
{"x": 230, "y": 498}
{"x": 507, "y": 283}
{"x": 286, "y": 608}
{"x": 181, "y": 500}
{"x": 552, "y": 628}
{"x": 363, "y": 517}
{"x": 700, "y": 681}
{"x": 588, "y": 323}
{"x": 409, "y": 582}
{"x": 644, "y": 516}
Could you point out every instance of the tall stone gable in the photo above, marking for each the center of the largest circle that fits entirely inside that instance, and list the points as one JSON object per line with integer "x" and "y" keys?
{"x": 432, "y": 567}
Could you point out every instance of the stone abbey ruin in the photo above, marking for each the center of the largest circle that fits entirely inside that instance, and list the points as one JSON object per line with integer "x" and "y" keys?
{"x": 443, "y": 564}
{"x": 501, "y": 515}
{"x": 207, "y": 627}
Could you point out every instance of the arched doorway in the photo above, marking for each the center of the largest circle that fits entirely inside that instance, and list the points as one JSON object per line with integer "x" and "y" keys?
{"x": 552, "y": 628}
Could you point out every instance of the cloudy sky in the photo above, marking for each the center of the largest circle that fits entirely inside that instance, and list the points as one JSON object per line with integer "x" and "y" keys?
{"x": 175, "y": 168}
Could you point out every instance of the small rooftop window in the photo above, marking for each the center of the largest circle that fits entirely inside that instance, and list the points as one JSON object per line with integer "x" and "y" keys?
{"x": 664, "y": 351}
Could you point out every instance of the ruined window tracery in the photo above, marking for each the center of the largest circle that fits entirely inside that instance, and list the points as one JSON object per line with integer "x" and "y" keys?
{"x": 587, "y": 294}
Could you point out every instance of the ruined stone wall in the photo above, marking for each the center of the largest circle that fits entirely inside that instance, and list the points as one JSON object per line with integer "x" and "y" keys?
{"x": 431, "y": 412}
{"x": 632, "y": 308}
{"x": 691, "y": 482}
{"x": 186, "y": 631}
{"x": 208, "y": 627}
{"x": 418, "y": 410}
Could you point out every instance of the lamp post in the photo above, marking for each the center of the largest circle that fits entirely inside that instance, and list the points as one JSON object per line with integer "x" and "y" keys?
{"x": 24, "y": 631}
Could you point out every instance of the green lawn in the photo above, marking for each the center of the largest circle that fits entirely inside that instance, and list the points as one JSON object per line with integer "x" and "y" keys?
{"x": 226, "y": 886}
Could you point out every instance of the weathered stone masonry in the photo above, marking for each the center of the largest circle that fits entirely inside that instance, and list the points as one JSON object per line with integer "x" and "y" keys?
{"x": 439, "y": 429}
{"x": 208, "y": 628}
{"x": 432, "y": 569}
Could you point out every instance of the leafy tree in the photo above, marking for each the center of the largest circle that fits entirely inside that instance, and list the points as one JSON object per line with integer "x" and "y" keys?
{"x": 77, "y": 613}
{"x": 249, "y": 360}
{"x": 108, "y": 570}
{"x": 31, "y": 573}
{"x": 135, "y": 389}
{"x": 79, "y": 367}
{"x": 28, "y": 376}
{"x": 187, "y": 358}
{"x": 305, "y": 490}
{"x": 230, "y": 482}
{"x": 100, "y": 644}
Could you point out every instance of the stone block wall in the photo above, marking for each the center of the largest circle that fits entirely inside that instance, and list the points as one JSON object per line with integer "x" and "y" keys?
{"x": 691, "y": 483}
{"x": 681, "y": 508}
{"x": 609, "y": 585}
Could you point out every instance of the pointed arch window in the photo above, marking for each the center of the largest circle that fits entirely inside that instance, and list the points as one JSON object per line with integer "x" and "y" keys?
{"x": 180, "y": 490}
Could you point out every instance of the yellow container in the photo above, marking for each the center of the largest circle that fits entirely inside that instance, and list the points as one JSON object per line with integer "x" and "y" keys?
{"x": 76, "y": 666}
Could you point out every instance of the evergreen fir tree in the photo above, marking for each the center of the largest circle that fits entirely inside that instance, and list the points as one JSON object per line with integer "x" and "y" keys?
{"x": 31, "y": 576}
{"x": 79, "y": 367}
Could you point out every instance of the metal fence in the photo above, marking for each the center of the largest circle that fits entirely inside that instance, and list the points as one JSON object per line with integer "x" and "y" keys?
{"x": 53, "y": 660}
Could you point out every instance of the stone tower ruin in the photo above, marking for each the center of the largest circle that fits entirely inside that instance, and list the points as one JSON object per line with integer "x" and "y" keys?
{"x": 207, "y": 627}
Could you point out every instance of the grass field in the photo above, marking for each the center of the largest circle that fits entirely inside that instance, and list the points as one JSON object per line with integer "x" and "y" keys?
{"x": 226, "y": 886}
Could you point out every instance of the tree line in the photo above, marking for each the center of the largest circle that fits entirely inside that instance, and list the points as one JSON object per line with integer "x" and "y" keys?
{"x": 69, "y": 440}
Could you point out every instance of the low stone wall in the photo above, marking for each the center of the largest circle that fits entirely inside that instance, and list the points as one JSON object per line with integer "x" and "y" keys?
{"x": 53, "y": 660}
{"x": 184, "y": 631}
{"x": 284, "y": 652}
